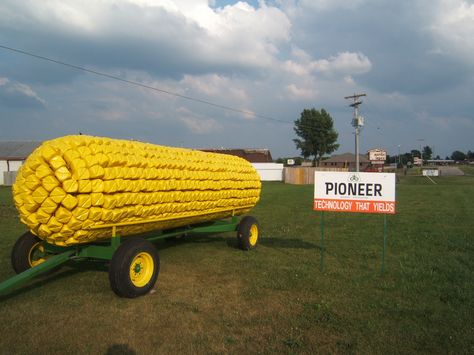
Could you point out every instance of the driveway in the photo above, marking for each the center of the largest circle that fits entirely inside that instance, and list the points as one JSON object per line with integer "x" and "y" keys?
{"x": 450, "y": 171}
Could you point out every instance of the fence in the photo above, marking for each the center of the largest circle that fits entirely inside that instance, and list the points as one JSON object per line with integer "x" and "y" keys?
{"x": 305, "y": 175}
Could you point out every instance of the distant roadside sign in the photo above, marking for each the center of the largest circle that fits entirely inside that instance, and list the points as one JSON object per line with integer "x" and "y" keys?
{"x": 354, "y": 192}
{"x": 377, "y": 155}
{"x": 430, "y": 172}
{"x": 290, "y": 162}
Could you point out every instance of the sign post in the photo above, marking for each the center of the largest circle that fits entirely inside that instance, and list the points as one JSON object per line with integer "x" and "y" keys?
{"x": 354, "y": 192}
{"x": 322, "y": 249}
{"x": 384, "y": 242}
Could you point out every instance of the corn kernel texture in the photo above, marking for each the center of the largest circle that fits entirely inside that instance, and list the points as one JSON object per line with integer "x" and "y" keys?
{"x": 71, "y": 189}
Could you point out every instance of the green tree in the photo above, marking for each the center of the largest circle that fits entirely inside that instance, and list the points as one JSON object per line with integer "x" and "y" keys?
{"x": 458, "y": 156}
{"x": 415, "y": 153}
{"x": 427, "y": 152}
{"x": 318, "y": 137}
{"x": 391, "y": 159}
{"x": 407, "y": 157}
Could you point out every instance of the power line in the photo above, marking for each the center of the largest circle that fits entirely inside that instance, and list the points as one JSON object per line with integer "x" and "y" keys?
{"x": 131, "y": 82}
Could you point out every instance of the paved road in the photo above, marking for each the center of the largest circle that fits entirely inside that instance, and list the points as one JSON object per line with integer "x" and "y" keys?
{"x": 450, "y": 171}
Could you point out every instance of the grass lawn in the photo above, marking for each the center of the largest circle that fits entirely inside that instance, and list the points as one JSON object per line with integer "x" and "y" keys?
{"x": 467, "y": 169}
{"x": 214, "y": 298}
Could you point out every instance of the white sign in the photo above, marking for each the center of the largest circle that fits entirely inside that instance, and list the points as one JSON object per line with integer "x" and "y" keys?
{"x": 290, "y": 162}
{"x": 354, "y": 192}
{"x": 377, "y": 155}
{"x": 430, "y": 172}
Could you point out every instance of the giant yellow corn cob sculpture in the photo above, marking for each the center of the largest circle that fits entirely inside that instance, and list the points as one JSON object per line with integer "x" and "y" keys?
{"x": 71, "y": 186}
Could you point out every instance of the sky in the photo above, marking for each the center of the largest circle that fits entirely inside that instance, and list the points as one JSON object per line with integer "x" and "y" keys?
{"x": 275, "y": 58}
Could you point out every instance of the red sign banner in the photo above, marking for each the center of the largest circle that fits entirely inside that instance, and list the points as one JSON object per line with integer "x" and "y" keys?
{"x": 354, "y": 206}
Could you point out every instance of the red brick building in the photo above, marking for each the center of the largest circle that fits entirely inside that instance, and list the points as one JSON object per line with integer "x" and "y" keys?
{"x": 346, "y": 160}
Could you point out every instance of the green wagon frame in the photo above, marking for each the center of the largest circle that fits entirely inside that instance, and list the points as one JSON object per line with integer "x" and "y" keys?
{"x": 134, "y": 261}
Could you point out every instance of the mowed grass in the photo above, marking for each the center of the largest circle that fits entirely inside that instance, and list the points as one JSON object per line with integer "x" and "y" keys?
{"x": 467, "y": 169}
{"x": 214, "y": 298}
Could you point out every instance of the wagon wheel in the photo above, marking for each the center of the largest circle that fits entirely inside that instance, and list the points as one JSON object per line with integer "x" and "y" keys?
{"x": 27, "y": 252}
{"x": 247, "y": 233}
{"x": 134, "y": 268}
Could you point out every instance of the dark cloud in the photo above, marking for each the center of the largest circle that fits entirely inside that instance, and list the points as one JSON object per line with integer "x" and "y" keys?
{"x": 165, "y": 55}
{"x": 274, "y": 61}
{"x": 393, "y": 35}
{"x": 153, "y": 40}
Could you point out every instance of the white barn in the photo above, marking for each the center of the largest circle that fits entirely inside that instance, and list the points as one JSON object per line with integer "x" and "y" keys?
{"x": 260, "y": 158}
{"x": 12, "y": 156}
{"x": 269, "y": 171}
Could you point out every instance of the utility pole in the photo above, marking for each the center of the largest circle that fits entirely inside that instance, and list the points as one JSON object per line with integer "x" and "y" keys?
{"x": 357, "y": 122}
{"x": 399, "y": 157}
{"x": 421, "y": 140}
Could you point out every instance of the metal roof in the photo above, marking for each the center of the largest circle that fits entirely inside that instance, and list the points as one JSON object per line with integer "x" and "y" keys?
{"x": 17, "y": 150}
{"x": 253, "y": 155}
{"x": 346, "y": 157}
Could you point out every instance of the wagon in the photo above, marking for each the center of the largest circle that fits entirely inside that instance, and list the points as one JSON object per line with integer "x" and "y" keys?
{"x": 85, "y": 197}
{"x": 134, "y": 261}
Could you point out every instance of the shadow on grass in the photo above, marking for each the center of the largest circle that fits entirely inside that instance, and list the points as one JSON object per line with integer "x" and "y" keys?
{"x": 232, "y": 242}
{"x": 67, "y": 270}
{"x": 272, "y": 242}
{"x": 120, "y": 349}
{"x": 73, "y": 267}
{"x": 196, "y": 239}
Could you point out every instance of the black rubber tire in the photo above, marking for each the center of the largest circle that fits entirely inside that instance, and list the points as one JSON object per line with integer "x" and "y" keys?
{"x": 119, "y": 270}
{"x": 244, "y": 233}
{"x": 22, "y": 251}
